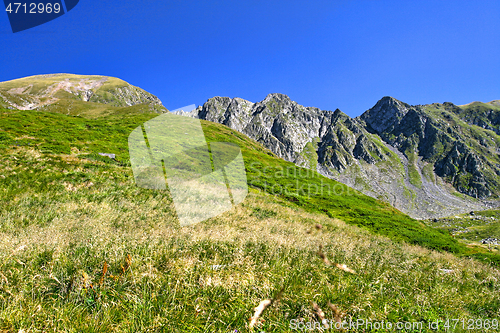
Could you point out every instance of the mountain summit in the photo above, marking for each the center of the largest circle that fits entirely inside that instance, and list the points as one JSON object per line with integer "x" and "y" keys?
{"x": 387, "y": 113}
{"x": 426, "y": 160}
{"x": 68, "y": 91}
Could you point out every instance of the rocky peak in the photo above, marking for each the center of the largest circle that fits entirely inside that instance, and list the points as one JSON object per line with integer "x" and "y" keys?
{"x": 214, "y": 108}
{"x": 279, "y": 98}
{"x": 387, "y": 113}
{"x": 338, "y": 115}
{"x": 275, "y": 105}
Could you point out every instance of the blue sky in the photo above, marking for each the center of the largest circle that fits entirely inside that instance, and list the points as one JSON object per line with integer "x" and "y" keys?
{"x": 328, "y": 54}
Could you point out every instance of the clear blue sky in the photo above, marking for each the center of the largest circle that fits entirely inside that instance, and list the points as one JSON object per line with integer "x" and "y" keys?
{"x": 328, "y": 54}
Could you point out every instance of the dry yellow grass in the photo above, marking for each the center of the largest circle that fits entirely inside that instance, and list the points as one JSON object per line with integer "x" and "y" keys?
{"x": 111, "y": 257}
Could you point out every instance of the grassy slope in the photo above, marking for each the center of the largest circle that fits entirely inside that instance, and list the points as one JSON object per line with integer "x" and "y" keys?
{"x": 472, "y": 228}
{"x": 41, "y": 82}
{"x": 65, "y": 211}
{"x": 104, "y": 102}
{"x": 315, "y": 193}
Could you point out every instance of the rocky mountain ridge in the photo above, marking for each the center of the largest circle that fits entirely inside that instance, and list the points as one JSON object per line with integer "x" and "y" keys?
{"x": 426, "y": 160}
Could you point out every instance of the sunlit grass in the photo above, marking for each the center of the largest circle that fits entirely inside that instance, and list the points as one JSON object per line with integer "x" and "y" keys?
{"x": 83, "y": 249}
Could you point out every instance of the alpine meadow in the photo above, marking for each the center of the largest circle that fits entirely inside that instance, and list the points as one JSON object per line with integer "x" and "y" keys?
{"x": 84, "y": 249}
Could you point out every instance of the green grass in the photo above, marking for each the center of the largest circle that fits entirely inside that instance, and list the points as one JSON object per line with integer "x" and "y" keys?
{"x": 57, "y": 133}
{"x": 490, "y": 230}
{"x": 472, "y": 228}
{"x": 310, "y": 154}
{"x": 65, "y": 211}
{"x": 428, "y": 172}
{"x": 60, "y": 134}
{"x": 413, "y": 174}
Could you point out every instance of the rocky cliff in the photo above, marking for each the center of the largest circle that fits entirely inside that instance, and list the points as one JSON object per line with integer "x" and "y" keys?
{"x": 426, "y": 160}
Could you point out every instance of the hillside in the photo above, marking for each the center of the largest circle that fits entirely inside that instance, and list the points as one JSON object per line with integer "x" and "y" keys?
{"x": 84, "y": 249}
{"x": 426, "y": 160}
{"x": 77, "y": 137}
{"x": 474, "y": 227}
{"x": 68, "y": 92}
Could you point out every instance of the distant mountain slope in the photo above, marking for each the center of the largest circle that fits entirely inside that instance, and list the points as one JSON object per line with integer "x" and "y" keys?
{"x": 426, "y": 160}
{"x": 66, "y": 92}
{"x": 462, "y": 144}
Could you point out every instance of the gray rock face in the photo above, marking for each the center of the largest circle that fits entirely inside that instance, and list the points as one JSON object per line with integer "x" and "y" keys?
{"x": 256, "y": 120}
{"x": 463, "y": 161}
{"x": 286, "y": 127}
{"x": 443, "y": 139}
{"x": 386, "y": 115}
{"x": 406, "y": 155}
